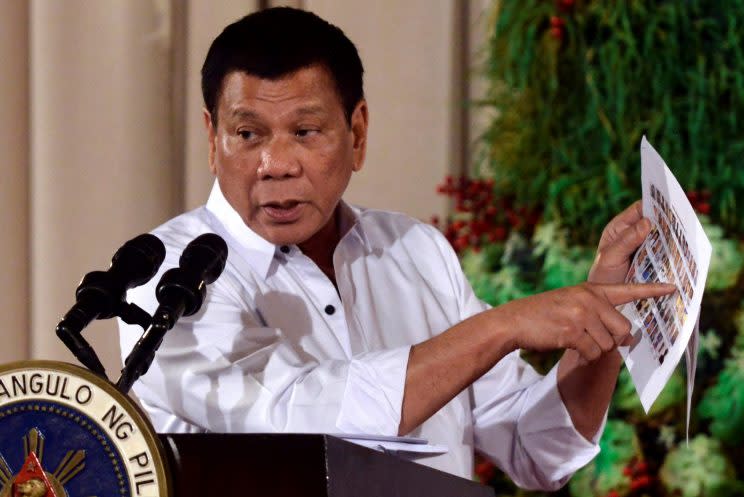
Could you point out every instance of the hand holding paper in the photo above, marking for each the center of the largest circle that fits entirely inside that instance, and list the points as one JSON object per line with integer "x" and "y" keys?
{"x": 620, "y": 239}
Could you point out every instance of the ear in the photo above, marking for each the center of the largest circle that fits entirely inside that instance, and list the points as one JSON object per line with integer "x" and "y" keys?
{"x": 212, "y": 139}
{"x": 359, "y": 125}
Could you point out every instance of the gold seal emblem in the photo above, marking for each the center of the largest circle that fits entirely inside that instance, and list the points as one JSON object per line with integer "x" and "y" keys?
{"x": 66, "y": 432}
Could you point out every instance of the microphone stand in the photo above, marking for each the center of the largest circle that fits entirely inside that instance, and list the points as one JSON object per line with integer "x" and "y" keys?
{"x": 140, "y": 358}
{"x": 67, "y": 331}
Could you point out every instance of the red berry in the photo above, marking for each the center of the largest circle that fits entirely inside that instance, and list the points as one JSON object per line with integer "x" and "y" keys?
{"x": 556, "y": 33}
{"x": 461, "y": 243}
{"x": 513, "y": 218}
{"x": 703, "y": 208}
{"x": 556, "y": 22}
{"x": 640, "y": 482}
{"x": 498, "y": 234}
{"x": 485, "y": 471}
{"x": 565, "y": 5}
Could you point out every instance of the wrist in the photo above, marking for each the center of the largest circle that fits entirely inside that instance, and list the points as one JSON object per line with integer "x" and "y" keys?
{"x": 502, "y": 331}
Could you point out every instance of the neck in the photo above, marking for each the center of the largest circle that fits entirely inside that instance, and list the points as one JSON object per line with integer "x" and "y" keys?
{"x": 321, "y": 245}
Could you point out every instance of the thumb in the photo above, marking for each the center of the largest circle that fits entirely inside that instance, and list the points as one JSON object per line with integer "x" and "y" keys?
{"x": 627, "y": 242}
{"x": 629, "y": 292}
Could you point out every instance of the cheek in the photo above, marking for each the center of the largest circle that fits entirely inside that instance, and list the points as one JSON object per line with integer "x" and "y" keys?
{"x": 227, "y": 150}
{"x": 334, "y": 173}
{"x": 232, "y": 160}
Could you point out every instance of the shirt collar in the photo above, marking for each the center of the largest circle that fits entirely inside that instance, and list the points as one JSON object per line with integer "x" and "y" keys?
{"x": 349, "y": 222}
{"x": 258, "y": 251}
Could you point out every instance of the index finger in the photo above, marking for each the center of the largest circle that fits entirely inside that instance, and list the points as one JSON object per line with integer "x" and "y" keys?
{"x": 629, "y": 292}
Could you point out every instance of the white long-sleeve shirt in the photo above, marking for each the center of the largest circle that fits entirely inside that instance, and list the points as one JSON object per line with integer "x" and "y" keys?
{"x": 275, "y": 348}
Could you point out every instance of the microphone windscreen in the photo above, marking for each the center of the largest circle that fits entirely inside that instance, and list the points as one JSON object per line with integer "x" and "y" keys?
{"x": 205, "y": 257}
{"x": 138, "y": 260}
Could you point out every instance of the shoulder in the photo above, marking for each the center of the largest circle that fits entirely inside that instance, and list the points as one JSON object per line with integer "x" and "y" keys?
{"x": 177, "y": 232}
{"x": 390, "y": 225}
{"x": 388, "y": 228}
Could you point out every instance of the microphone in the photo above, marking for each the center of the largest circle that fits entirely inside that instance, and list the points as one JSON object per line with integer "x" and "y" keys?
{"x": 180, "y": 292}
{"x": 101, "y": 294}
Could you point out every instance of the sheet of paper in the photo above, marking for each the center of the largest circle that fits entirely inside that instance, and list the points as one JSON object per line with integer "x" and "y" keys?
{"x": 677, "y": 251}
{"x": 691, "y": 361}
{"x": 409, "y": 447}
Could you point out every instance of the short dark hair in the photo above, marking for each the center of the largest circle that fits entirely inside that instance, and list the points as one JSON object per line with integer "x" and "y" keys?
{"x": 274, "y": 42}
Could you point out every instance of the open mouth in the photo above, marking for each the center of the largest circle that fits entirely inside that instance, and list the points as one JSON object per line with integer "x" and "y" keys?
{"x": 283, "y": 212}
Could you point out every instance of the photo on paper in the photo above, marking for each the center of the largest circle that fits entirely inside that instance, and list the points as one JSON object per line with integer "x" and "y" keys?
{"x": 678, "y": 252}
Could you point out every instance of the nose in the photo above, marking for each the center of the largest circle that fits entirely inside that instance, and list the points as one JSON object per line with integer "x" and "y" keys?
{"x": 278, "y": 161}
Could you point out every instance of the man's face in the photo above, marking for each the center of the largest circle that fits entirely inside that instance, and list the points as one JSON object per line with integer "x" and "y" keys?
{"x": 283, "y": 151}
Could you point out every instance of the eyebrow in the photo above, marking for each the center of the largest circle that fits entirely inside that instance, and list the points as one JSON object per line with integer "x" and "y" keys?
{"x": 311, "y": 110}
{"x": 308, "y": 110}
{"x": 244, "y": 114}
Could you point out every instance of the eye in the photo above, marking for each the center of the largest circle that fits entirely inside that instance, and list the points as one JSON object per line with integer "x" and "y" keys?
{"x": 246, "y": 134}
{"x": 305, "y": 132}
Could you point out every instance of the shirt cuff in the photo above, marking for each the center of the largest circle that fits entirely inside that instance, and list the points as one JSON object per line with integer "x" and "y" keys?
{"x": 373, "y": 397}
{"x": 548, "y": 443}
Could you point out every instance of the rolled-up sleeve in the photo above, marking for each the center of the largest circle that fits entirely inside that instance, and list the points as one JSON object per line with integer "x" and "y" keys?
{"x": 373, "y": 396}
{"x": 519, "y": 419}
{"x": 522, "y": 424}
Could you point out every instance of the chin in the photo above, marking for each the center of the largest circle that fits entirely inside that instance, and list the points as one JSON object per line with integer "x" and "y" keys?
{"x": 287, "y": 235}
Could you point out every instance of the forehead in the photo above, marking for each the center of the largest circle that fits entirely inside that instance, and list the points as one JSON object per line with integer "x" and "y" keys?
{"x": 310, "y": 85}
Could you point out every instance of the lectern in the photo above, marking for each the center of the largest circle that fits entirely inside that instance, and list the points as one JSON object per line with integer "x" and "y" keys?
{"x": 297, "y": 465}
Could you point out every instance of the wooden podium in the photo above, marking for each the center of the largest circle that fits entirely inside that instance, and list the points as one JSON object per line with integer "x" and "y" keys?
{"x": 279, "y": 465}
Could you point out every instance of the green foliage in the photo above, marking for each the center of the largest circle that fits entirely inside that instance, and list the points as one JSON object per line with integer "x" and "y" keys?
{"x": 563, "y": 265}
{"x": 619, "y": 446}
{"x": 574, "y": 85}
{"x": 723, "y": 403}
{"x": 518, "y": 268}
{"x": 700, "y": 470}
{"x": 574, "y": 100}
{"x": 495, "y": 273}
{"x": 727, "y": 258}
{"x": 626, "y": 398}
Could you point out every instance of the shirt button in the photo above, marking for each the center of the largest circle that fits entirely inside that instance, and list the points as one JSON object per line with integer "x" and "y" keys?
{"x": 284, "y": 249}
{"x": 329, "y": 309}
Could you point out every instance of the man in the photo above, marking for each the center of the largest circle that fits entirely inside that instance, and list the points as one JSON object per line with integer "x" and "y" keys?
{"x": 330, "y": 318}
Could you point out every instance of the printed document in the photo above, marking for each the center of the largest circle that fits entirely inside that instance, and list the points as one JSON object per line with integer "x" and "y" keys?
{"x": 677, "y": 251}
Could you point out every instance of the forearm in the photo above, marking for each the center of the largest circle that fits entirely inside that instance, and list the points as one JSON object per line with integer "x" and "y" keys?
{"x": 582, "y": 318}
{"x": 586, "y": 388}
{"x": 441, "y": 367}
